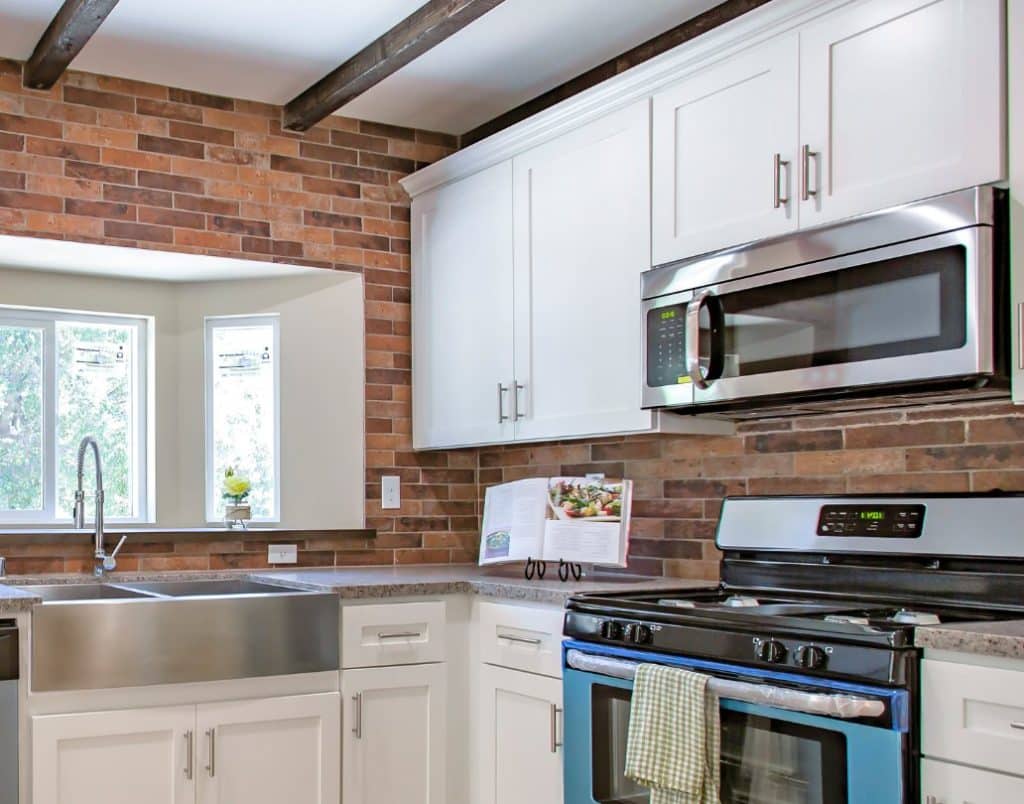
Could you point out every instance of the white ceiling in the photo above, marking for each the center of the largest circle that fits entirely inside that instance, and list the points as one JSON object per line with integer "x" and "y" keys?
{"x": 269, "y": 50}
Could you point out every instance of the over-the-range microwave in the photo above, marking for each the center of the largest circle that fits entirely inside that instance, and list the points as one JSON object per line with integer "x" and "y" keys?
{"x": 904, "y": 306}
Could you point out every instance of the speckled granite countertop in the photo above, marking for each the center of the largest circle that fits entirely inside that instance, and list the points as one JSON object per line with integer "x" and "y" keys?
{"x": 375, "y": 582}
{"x": 1004, "y": 638}
{"x": 435, "y": 580}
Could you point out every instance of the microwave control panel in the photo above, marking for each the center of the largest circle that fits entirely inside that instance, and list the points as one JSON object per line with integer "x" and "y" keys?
{"x": 666, "y": 346}
{"x": 887, "y": 521}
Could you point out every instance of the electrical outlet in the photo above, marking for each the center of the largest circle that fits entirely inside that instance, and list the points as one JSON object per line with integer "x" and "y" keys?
{"x": 390, "y": 491}
{"x": 282, "y": 554}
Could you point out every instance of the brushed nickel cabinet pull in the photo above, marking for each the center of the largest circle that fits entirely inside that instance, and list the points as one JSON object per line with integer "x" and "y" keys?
{"x": 1020, "y": 335}
{"x": 357, "y": 715}
{"x": 517, "y": 387}
{"x": 555, "y": 744}
{"x": 502, "y": 390}
{"x": 522, "y": 640}
{"x": 211, "y": 736}
{"x": 399, "y": 635}
{"x": 931, "y": 800}
{"x": 189, "y": 752}
{"x": 779, "y": 164}
{"x": 1016, "y": 724}
{"x": 807, "y": 155}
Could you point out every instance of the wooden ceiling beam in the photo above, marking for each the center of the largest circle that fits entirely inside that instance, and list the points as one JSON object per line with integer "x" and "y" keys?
{"x": 422, "y": 30}
{"x": 63, "y": 39}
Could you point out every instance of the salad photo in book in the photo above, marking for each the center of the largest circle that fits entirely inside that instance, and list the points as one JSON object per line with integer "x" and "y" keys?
{"x": 579, "y": 519}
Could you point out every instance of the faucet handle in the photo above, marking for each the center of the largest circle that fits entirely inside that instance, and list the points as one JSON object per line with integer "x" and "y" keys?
{"x": 110, "y": 561}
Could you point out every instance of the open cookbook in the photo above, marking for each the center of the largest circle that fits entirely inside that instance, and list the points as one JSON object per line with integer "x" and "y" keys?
{"x": 579, "y": 519}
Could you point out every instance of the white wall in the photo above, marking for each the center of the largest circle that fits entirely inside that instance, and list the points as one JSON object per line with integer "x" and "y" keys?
{"x": 322, "y": 380}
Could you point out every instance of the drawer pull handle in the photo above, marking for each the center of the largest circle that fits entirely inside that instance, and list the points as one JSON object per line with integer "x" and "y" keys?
{"x": 399, "y": 635}
{"x": 1017, "y": 724}
{"x": 555, "y": 743}
{"x": 521, "y": 640}
{"x": 357, "y": 715}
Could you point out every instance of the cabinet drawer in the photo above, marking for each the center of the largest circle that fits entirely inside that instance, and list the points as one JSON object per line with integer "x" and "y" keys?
{"x": 946, "y": 783}
{"x": 973, "y": 715}
{"x": 392, "y": 634}
{"x": 522, "y": 638}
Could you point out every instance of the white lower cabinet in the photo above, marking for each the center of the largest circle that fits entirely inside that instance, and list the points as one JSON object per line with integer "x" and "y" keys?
{"x": 394, "y": 734}
{"x": 258, "y": 752}
{"x": 122, "y": 757}
{"x": 270, "y": 751}
{"x": 520, "y": 751}
{"x": 946, "y": 783}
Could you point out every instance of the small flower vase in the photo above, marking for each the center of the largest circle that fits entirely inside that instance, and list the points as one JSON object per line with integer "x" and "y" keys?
{"x": 237, "y": 515}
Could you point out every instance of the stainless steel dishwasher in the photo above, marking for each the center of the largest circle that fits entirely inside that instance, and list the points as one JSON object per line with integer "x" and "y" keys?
{"x": 8, "y": 712}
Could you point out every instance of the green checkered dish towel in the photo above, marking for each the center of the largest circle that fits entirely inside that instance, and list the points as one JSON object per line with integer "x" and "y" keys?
{"x": 674, "y": 742}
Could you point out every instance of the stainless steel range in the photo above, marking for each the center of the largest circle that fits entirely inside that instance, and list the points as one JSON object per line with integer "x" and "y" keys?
{"x": 809, "y": 638}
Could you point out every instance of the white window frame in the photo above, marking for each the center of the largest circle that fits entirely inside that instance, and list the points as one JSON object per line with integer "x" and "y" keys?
{"x": 143, "y": 494}
{"x": 214, "y": 503}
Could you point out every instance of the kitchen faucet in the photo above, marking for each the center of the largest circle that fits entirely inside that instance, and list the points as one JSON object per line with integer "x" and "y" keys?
{"x": 104, "y": 562}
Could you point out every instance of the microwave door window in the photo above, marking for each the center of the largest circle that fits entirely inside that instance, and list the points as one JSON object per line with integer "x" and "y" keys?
{"x": 901, "y": 306}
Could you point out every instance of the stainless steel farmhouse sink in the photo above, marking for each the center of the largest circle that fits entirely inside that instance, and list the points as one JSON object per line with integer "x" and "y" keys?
{"x": 99, "y": 636}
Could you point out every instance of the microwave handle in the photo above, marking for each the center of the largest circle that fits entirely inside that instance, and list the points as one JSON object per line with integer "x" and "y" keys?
{"x": 716, "y": 355}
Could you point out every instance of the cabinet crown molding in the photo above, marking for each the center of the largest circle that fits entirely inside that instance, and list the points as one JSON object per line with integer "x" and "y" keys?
{"x": 749, "y": 30}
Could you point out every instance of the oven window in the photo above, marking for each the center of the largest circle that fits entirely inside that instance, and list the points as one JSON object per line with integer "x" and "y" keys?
{"x": 766, "y": 761}
{"x": 901, "y": 306}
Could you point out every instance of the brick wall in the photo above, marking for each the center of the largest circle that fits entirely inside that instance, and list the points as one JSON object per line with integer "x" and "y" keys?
{"x": 106, "y": 160}
{"x": 680, "y": 480}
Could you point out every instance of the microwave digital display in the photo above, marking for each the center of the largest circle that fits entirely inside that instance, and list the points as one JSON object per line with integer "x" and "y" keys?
{"x": 666, "y": 346}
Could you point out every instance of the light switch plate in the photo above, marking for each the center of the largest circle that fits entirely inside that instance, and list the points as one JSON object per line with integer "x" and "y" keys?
{"x": 282, "y": 554}
{"x": 390, "y": 491}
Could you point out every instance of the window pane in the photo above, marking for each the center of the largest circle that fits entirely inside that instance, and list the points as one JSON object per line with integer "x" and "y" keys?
{"x": 244, "y": 418}
{"x": 95, "y": 365}
{"x": 21, "y": 418}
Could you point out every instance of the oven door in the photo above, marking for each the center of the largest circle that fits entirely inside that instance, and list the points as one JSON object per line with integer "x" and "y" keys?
{"x": 770, "y": 755}
{"x": 918, "y": 311}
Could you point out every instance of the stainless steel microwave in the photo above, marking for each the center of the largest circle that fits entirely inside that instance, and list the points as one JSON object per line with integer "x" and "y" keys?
{"x": 902, "y": 306}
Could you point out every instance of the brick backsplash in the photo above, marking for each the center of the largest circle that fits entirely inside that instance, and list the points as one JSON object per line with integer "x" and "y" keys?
{"x": 680, "y": 481}
{"x": 107, "y": 160}
{"x": 100, "y": 159}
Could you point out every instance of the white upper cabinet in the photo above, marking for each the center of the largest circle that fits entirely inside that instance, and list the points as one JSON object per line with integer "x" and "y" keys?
{"x": 462, "y": 311}
{"x": 900, "y": 100}
{"x": 725, "y": 145}
{"x": 582, "y": 238}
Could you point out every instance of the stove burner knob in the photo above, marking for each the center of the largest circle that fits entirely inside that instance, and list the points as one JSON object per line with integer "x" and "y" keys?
{"x": 611, "y": 629}
{"x": 811, "y": 657}
{"x": 638, "y": 634}
{"x": 771, "y": 651}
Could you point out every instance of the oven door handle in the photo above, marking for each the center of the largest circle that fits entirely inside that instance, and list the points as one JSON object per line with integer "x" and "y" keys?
{"x": 839, "y": 705}
{"x": 716, "y": 348}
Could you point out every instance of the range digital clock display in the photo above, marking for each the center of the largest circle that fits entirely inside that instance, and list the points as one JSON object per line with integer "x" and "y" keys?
{"x": 872, "y": 521}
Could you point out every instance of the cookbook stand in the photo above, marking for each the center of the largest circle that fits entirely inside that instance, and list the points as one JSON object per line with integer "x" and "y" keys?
{"x": 536, "y": 568}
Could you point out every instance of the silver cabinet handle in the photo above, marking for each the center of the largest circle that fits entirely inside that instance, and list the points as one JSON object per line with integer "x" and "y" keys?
{"x": 931, "y": 800}
{"x": 502, "y": 390}
{"x": 522, "y": 640}
{"x": 189, "y": 753}
{"x": 779, "y": 164}
{"x": 1016, "y": 724}
{"x": 1020, "y": 335}
{"x": 211, "y": 736}
{"x": 517, "y": 387}
{"x": 399, "y": 635}
{"x": 357, "y": 715}
{"x": 806, "y": 155}
{"x": 555, "y": 744}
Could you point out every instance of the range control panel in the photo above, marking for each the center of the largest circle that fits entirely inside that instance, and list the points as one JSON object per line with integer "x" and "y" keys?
{"x": 888, "y": 521}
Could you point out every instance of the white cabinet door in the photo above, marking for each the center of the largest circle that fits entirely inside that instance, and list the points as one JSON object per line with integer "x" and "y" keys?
{"x": 462, "y": 311}
{"x": 945, "y": 783}
{"x": 900, "y": 100}
{"x": 520, "y": 733}
{"x": 394, "y": 735}
{"x": 716, "y": 136}
{"x": 269, "y": 751}
{"x": 119, "y": 757}
{"x": 582, "y": 237}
